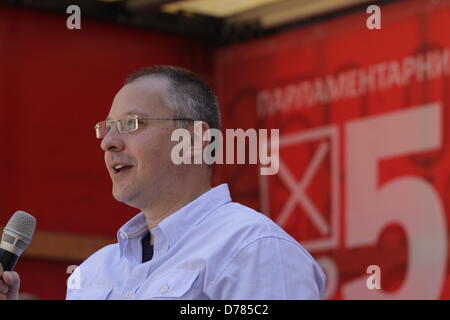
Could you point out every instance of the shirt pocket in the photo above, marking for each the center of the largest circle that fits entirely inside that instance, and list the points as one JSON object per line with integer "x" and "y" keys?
{"x": 177, "y": 284}
{"x": 91, "y": 293}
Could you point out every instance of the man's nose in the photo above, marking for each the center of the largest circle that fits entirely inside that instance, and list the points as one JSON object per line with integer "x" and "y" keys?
{"x": 112, "y": 140}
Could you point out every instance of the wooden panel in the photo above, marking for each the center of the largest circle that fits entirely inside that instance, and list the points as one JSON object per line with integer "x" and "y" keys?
{"x": 65, "y": 246}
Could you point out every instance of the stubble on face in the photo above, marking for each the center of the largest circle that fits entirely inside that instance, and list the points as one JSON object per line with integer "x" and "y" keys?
{"x": 148, "y": 149}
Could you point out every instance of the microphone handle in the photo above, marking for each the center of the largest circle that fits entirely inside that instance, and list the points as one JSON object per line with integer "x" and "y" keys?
{"x": 8, "y": 260}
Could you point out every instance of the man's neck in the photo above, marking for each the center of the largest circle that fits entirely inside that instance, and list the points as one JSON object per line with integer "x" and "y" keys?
{"x": 158, "y": 212}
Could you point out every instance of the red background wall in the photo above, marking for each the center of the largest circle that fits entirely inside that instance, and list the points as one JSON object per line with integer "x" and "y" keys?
{"x": 55, "y": 84}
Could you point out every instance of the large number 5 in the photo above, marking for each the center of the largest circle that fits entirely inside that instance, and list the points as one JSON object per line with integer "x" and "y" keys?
{"x": 409, "y": 201}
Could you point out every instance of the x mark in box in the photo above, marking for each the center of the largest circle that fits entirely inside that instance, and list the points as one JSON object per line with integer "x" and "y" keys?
{"x": 326, "y": 140}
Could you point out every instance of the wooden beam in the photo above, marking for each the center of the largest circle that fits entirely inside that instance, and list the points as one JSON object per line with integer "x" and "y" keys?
{"x": 216, "y": 8}
{"x": 278, "y": 13}
{"x": 65, "y": 246}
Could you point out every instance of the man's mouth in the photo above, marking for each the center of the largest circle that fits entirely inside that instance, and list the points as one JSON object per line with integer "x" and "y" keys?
{"x": 121, "y": 168}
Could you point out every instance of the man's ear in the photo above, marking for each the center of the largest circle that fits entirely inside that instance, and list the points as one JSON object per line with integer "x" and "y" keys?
{"x": 198, "y": 141}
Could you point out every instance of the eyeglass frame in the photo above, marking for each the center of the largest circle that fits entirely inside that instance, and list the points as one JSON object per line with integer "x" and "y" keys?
{"x": 136, "y": 118}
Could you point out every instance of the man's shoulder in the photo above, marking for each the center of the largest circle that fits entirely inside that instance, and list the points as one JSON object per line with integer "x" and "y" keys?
{"x": 107, "y": 254}
{"x": 236, "y": 218}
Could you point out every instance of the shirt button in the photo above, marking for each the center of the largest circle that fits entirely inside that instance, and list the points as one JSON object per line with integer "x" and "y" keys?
{"x": 129, "y": 294}
{"x": 164, "y": 288}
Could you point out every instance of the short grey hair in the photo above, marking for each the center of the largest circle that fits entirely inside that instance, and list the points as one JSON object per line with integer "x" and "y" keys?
{"x": 188, "y": 95}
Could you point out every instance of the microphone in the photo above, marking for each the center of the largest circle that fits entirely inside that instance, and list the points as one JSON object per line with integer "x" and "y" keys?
{"x": 16, "y": 237}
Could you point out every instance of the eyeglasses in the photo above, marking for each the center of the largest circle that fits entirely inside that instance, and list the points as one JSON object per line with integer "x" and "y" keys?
{"x": 127, "y": 124}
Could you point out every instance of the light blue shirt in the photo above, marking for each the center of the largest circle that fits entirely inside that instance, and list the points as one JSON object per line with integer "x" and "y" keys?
{"x": 212, "y": 248}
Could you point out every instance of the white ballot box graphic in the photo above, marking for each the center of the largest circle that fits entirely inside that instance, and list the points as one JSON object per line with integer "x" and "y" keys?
{"x": 324, "y": 143}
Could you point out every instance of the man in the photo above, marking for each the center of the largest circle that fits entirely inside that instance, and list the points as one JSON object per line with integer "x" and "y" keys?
{"x": 190, "y": 241}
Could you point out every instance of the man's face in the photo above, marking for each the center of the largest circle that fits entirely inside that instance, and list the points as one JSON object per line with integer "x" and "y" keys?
{"x": 145, "y": 152}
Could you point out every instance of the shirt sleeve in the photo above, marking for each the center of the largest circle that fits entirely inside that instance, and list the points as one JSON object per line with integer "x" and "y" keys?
{"x": 270, "y": 269}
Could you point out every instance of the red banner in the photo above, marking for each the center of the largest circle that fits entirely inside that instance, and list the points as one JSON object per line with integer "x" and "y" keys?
{"x": 364, "y": 176}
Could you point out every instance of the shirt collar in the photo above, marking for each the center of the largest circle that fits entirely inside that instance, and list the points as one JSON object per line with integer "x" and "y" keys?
{"x": 176, "y": 224}
{"x": 133, "y": 228}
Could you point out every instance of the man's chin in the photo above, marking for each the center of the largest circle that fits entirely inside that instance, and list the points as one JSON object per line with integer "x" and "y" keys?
{"x": 128, "y": 198}
{"x": 120, "y": 194}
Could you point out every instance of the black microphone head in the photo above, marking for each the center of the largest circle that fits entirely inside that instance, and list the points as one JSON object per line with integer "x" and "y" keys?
{"x": 22, "y": 223}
